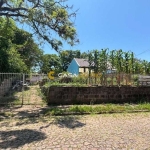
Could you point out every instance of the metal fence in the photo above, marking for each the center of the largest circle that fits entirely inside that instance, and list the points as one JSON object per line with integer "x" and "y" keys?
{"x": 18, "y": 88}
{"x": 113, "y": 79}
{"x": 23, "y": 89}
{"x": 106, "y": 79}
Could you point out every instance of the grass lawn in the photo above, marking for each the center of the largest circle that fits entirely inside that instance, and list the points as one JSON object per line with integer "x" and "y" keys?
{"x": 98, "y": 109}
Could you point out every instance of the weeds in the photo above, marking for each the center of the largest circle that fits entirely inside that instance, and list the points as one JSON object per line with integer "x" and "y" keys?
{"x": 99, "y": 109}
{"x": 49, "y": 84}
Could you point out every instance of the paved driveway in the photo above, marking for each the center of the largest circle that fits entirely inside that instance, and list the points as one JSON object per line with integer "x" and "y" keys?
{"x": 93, "y": 132}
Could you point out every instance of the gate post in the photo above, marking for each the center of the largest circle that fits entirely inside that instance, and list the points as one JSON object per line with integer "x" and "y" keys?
{"x": 23, "y": 88}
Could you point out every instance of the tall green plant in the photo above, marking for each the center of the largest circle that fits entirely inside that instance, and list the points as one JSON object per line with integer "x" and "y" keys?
{"x": 96, "y": 64}
{"x": 145, "y": 67}
{"x": 102, "y": 64}
{"x": 90, "y": 60}
{"x": 119, "y": 60}
{"x": 112, "y": 59}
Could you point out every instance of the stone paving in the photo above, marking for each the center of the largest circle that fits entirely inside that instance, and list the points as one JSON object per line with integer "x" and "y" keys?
{"x": 91, "y": 132}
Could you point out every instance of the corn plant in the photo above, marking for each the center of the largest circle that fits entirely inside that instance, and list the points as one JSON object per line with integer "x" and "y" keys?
{"x": 90, "y": 60}
{"x": 111, "y": 60}
{"x": 103, "y": 60}
{"x": 96, "y": 64}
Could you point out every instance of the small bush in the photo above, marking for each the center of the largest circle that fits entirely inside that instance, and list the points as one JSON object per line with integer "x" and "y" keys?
{"x": 66, "y": 80}
{"x": 82, "y": 79}
{"x": 135, "y": 78}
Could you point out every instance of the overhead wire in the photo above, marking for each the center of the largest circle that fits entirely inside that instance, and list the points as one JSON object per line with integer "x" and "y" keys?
{"x": 142, "y": 52}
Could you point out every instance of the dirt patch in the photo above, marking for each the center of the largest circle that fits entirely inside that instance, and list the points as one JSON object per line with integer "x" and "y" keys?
{"x": 33, "y": 104}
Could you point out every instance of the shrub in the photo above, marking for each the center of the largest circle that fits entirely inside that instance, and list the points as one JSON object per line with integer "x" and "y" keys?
{"x": 65, "y": 80}
{"x": 82, "y": 79}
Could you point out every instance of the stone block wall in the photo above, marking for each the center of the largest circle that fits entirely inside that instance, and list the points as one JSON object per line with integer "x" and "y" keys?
{"x": 96, "y": 95}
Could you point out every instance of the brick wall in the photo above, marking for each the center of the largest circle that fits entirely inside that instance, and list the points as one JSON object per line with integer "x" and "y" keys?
{"x": 96, "y": 95}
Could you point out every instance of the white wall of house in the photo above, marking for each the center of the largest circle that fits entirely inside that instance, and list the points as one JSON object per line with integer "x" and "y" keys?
{"x": 83, "y": 70}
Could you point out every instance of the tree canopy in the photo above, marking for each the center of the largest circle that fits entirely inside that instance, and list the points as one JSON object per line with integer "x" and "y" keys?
{"x": 18, "y": 52}
{"x": 45, "y": 17}
{"x": 50, "y": 62}
{"x": 66, "y": 57}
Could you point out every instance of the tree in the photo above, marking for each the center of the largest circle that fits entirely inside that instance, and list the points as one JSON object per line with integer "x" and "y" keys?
{"x": 60, "y": 62}
{"x": 10, "y": 60}
{"x": 84, "y": 55}
{"x": 45, "y": 17}
{"x": 50, "y": 62}
{"x": 15, "y": 62}
{"x": 67, "y": 56}
{"x": 6, "y": 33}
{"x": 27, "y": 48}
{"x": 18, "y": 52}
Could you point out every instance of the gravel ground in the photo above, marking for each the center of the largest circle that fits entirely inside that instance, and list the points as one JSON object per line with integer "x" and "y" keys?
{"x": 93, "y": 132}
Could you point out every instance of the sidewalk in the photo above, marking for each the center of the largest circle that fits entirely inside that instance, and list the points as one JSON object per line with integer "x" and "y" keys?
{"x": 24, "y": 128}
{"x": 93, "y": 132}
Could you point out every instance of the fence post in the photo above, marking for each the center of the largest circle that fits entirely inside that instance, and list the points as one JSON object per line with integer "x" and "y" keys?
{"x": 23, "y": 89}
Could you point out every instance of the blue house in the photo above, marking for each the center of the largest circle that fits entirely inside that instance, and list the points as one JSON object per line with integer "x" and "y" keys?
{"x": 78, "y": 65}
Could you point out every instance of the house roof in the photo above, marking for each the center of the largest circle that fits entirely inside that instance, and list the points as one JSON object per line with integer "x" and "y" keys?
{"x": 82, "y": 62}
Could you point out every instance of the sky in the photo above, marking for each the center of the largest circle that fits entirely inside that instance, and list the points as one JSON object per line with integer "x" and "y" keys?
{"x": 113, "y": 24}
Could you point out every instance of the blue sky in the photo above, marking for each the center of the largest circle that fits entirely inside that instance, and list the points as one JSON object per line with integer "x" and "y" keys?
{"x": 113, "y": 24}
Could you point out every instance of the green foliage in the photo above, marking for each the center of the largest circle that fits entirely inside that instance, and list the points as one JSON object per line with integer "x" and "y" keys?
{"x": 81, "y": 79}
{"x": 65, "y": 80}
{"x": 10, "y": 60}
{"x": 67, "y": 56}
{"x": 135, "y": 78}
{"x": 70, "y": 84}
{"x": 18, "y": 51}
{"x": 50, "y": 62}
{"x": 84, "y": 55}
{"x": 53, "y": 111}
{"x": 59, "y": 63}
{"x": 123, "y": 62}
{"x": 98, "y": 60}
{"x": 99, "y": 109}
{"x": 29, "y": 51}
{"x": 15, "y": 62}
{"x": 7, "y": 28}
{"x": 44, "y": 17}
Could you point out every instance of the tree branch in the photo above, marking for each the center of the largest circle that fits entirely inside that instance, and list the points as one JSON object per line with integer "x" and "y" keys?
{"x": 39, "y": 14}
{"x": 1, "y": 3}
{"x": 13, "y": 15}
{"x": 13, "y": 9}
{"x": 36, "y": 5}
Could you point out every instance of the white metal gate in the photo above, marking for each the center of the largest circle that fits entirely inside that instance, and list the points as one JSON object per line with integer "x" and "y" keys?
{"x": 19, "y": 89}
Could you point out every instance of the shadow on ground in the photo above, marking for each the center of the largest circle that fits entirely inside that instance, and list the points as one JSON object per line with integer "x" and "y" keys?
{"x": 18, "y": 138}
{"x": 31, "y": 116}
{"x": 70, "y": 122}
{"x": 7, "y": 101}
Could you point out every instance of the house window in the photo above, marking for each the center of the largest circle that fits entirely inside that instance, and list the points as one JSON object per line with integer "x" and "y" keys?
{"x": 81, "y": 70}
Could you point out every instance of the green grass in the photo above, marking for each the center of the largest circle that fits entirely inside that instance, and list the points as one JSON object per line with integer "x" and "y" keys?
{"x": 49, "y": 84}
{"x": 98, "y": 109}
{"x": 8, "y": 100}
{"x": 6, "y": 114}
